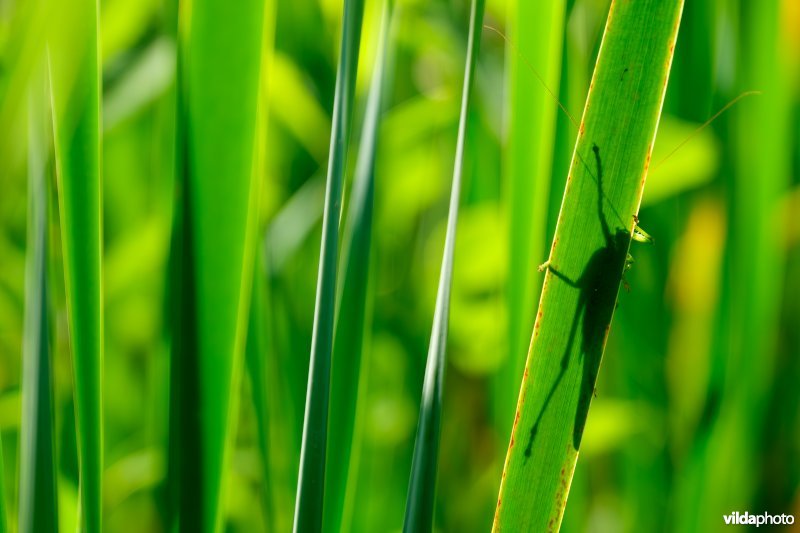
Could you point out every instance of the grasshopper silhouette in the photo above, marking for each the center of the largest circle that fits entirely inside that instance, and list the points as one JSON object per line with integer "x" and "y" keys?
{"x": 598, "y": 285}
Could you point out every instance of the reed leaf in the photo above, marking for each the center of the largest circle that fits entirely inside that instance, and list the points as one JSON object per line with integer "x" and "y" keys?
{"x": 75, "y": 95}
{"x": 308, "y": 512}
{"x": 422, "y": 485}
{"x": 214, "y": 245}
{"x": 347, "y": 376}
{"x": 587, "y": 261}
{"x": 38, "y": 507}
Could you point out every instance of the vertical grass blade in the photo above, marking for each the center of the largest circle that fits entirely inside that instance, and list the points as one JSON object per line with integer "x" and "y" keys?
{"x": 536, "y": 29}
{"x": 587, "y": 260}
{"x": 38, "y": 508}
{"x": 215, "y": 243}
{"x": 75, "y": 92}
{"x": 422, "y": 485}
{"x": 311, "y": 479}
{"x": 347, "y": 379}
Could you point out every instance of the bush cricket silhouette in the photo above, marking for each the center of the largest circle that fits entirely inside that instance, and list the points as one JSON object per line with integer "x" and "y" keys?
{"x": 601, "y": 277}
{"x": 598, "y": 285}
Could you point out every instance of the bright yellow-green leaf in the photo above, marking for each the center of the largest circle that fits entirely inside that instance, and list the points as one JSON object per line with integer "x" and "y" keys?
{"x": 75, "y": 85}
{"x": 587, "y": 260}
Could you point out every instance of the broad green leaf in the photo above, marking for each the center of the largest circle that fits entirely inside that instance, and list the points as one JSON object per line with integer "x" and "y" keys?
{"x": 311, "y": 479}
{"x": 422, "y": 485}
{"x": 214, "y": 244}
{"x": 75, "y": 94}
{"x": 587, "y": 260}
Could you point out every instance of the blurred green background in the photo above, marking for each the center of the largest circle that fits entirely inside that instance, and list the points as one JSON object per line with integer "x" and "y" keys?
{"x": 698, "y": 402}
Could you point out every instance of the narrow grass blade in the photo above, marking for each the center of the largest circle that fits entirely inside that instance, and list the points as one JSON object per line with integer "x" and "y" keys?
{"x": 311, "y": 478}
{"x": 214, "y": 243}
{"x": 38, "y": 508}
{"x": 587, "y": 260}
{"x": 75, "y": 92}
{"x": 422, "y": 486}
{"x": 347, "y": 378}
{"x": 286, "y": 368}
{"x": 536, "y": 31}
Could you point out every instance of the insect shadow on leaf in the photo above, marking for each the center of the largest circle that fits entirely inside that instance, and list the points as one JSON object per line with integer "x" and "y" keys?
{"x": 600, "y": 279}
{"x": 598, "y": 285}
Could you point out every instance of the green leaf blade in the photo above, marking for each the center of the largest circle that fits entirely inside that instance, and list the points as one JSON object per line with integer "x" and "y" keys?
{"x": 353, "y": 314}
{"x": 214, "y": 245}
{"x": 308, "y": 514}
{"x": 38, "y": 507}
{"x": 422, "y": 485}
{"x": 75, "y": 93}
{"x": 586, "y": 263}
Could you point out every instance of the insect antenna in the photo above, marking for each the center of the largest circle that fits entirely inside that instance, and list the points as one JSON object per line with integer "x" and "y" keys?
{"x": 563, "y": 108}
{"x": 575, "y": 123}
{"x": 705, "y": 124}
{"x": 535, "y": 73}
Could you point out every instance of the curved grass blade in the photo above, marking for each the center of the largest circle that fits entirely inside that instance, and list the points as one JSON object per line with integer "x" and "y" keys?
{"x": 214, "y": 242}
{"x": 587, "y": 260}
{"x": 38, "y": 508}
{"x": 311, "y": 478}
{"x": 347, "y": 379}
{"x": 75, "y": 94}
{"x": 422, "y": 486}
